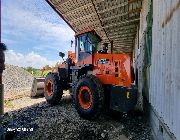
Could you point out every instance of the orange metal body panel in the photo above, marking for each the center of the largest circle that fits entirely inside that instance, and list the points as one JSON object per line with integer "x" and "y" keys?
{"x": 118, "y": 64}
{"x": 72, "y": 55}
{"x": 87, "y": 60}
{"x": 116, "y": 71}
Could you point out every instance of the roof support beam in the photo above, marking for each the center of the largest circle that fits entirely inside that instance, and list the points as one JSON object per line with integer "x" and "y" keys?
{"x": 122, "y": 35}
{"x": 123, "y": 32}
{"x": 100, "y": 20}
{"x": 123, "y": 46}
{"x": 121, "y": 28}
{"x": 123, "y": 42}
{"x": 122, "y": 14}
{"x": 123, "y": 22}
{"x": 124, "y": 38}
{"x": 77, "y": 9}
{"x": 74, "y": 21}
{"x": 113, "y": 7}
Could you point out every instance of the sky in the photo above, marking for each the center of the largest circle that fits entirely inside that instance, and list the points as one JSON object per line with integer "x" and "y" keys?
{"x": 34, "y": 33}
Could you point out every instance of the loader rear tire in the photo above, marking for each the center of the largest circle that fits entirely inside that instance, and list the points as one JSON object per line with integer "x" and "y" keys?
{"x": 89, "y": 97}
{"x": 53, "y": 89}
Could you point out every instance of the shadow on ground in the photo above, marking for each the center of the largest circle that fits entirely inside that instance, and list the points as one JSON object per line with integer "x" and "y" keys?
{"x": 42, "y": 121}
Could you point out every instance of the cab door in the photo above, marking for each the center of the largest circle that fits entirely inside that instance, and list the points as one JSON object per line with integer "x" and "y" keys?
{"x": 84, "y": 49}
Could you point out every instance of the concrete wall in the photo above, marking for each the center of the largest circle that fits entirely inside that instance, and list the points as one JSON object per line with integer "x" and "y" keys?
{"x": 165, "y": 69}
{"x": 164, "y": 72}
{"x": 139, "y": 52}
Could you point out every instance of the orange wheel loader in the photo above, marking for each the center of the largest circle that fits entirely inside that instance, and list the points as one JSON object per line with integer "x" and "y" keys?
{"x": 97, "y": 78}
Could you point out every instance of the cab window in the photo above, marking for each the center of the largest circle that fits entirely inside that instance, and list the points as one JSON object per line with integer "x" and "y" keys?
{"x": 82, "y": 43}
{"x": 88, "y": 46}
{"x": 88, "y": 42}
{"x": 95, "y": 41}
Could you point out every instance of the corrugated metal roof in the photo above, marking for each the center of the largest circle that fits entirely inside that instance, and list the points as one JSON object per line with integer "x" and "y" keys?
{"x": 113, "y": 20}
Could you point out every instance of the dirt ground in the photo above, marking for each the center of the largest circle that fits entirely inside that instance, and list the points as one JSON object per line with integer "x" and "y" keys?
{"x": 62, "y": 122}
{"x": 17, "y": 99}
{"x": 12, "y": 105}
{"x": 22, "y": 100}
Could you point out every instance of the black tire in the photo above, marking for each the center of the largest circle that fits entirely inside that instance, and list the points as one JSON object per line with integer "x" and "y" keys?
{"x": 97, "y": 92}
{"x": 53, "y": 90}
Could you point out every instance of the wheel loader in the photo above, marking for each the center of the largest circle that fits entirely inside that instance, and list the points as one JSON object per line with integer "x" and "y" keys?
{"x": 97, "y": 79}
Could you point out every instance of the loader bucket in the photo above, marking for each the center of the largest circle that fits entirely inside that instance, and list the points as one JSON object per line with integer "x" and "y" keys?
{"x": 37, "y": 89}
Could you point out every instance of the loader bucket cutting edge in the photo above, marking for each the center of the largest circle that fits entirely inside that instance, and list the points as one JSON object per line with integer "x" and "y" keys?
{"x": 38, "y": 87}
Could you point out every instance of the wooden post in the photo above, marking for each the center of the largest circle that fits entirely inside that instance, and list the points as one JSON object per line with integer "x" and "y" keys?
{"x": 112, "y": 47}
{"x": 2, "y": 67}
{"x": 1, "y": 99}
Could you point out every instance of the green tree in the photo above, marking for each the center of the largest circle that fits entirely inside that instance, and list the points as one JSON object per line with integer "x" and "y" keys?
{"x": 29, "y": 69}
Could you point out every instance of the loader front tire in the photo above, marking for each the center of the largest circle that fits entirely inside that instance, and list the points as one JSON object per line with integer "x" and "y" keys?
{"x": 89, "y": 97}
{"x": 53, "y": 89}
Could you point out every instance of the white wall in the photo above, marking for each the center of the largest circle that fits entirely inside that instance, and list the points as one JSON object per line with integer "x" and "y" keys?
{"x": 165, "y": 68}
{"x": 164, "y": 71}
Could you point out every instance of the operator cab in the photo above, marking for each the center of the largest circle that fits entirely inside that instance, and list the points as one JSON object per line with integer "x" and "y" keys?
{"x": 86, "y": 44}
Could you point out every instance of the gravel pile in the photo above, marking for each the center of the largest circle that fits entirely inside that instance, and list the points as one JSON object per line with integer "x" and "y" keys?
{"x": 62, "y": 122}
{"x": 16, "y": 80}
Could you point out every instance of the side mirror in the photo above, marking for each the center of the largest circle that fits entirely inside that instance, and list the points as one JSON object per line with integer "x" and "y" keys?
{"x": 61, "y": 54}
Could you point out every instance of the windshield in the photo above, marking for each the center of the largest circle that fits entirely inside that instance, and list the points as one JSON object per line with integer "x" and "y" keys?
{"x": 88, "y": 42}
{"x": 95, "y": 41}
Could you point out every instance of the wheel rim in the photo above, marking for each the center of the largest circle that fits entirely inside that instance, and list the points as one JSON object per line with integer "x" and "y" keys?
{"x": 85, "y": 97}
{"x": 49, "y": 87}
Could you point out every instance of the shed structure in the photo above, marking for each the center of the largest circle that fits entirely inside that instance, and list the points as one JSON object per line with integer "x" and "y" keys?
{"x": 149, "y": 31}
{"x": 114, "y": 20}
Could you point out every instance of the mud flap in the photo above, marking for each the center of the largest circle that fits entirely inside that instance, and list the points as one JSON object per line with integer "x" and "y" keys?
{"x": 123, "y": 99}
